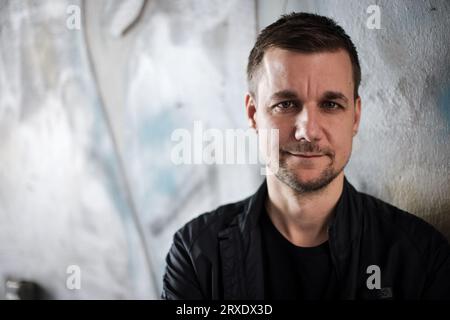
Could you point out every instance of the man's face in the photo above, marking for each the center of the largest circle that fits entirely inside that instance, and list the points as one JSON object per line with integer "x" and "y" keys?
{"x": 309, "y": 98}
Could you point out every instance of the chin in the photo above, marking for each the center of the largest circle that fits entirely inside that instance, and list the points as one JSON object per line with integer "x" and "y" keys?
{"x": 308, "y": 177}
{"x": 309, "y": 173}
{"x": 304, "y": 181}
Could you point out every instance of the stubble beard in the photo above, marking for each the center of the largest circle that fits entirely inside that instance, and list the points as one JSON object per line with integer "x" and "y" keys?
{"x": 287, "y": 176}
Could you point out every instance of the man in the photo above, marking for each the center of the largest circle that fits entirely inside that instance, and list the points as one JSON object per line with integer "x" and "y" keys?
{"x": 307, "y": 233}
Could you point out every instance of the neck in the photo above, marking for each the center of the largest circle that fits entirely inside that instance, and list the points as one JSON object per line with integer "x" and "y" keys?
{"x": 302, "y": 218}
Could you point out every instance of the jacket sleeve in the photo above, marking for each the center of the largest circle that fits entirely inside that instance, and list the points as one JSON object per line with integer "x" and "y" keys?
{"x": 180, "y": 279}
{"x": 438, "y": 285}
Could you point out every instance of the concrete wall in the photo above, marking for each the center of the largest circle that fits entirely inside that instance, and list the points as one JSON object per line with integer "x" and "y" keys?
{"x": 86, "y": 118}
{"x": 183, "y": 61}
{"x": 86, "y": 121}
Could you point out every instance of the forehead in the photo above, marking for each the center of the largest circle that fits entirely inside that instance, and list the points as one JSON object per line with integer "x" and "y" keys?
{"x": 306, "y": 73}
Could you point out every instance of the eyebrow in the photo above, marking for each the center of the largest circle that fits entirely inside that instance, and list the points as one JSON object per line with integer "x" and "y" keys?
{"x": 292, "y": 95}
{"x": 333, "y": 95}
{"x": 284, "y": 94}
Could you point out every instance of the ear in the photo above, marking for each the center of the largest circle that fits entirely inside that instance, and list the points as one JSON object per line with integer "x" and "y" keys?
{"x": 357, "y": 117}
{"x": 250, "y": 106}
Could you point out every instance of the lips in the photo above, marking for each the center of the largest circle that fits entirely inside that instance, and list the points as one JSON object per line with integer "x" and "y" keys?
{"x": 307, "y": 155}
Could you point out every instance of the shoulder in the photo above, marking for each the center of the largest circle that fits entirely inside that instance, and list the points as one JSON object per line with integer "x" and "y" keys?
{"x": 207, "y": 226}
{"x": 397, "y": 224}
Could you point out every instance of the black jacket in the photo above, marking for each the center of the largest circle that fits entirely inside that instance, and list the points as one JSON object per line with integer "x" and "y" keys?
{"x": 219, "y": 256}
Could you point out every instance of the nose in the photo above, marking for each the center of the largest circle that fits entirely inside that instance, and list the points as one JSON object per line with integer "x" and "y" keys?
{"x": 307, "y": 125}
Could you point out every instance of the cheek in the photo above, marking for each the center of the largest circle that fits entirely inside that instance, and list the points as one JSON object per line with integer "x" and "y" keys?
{"x": 272, "y": 133}
{"x": 267, "y": 122}
{"x": 285, "y": 126}
{"x": 263, "y": 119}
{"x": 342, "y": 144}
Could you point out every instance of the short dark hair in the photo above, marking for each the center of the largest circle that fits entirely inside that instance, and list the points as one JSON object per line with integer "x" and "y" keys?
{"x": 306, "y": 33}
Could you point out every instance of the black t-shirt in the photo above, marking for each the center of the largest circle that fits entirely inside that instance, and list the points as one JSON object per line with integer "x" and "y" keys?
{"x": 293, "y": 272}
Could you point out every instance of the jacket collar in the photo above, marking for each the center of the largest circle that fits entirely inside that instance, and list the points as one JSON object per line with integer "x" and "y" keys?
{"x": 254, "y": 207}
{"x": 241, "y": 251}
{"x": 241, "y": 247}
{"x": 345, "y": 231}
{"x": 345, "y": 223}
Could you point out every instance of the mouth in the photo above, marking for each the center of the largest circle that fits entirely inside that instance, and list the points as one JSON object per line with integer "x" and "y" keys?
{"x": 306, "y": 155}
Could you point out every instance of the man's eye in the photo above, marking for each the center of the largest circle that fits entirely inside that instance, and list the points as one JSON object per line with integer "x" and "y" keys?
{"x": 285, "y": 105}
{"x": 330, "y": 105}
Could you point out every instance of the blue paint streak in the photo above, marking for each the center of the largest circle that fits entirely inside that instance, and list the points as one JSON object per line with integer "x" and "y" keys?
{"x": 165, "y": 181}
{"x": 156, "y": 131}
{"x": 154, "y": 134}
{"x": 444, "y": 105}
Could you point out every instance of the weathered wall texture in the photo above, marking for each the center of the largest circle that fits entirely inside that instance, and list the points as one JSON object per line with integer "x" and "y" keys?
{"x": 86, "y": 121}
{"x": 57, "y": 169}
{"x": 183, "y": 61}
{"x": 86, "y": 118}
